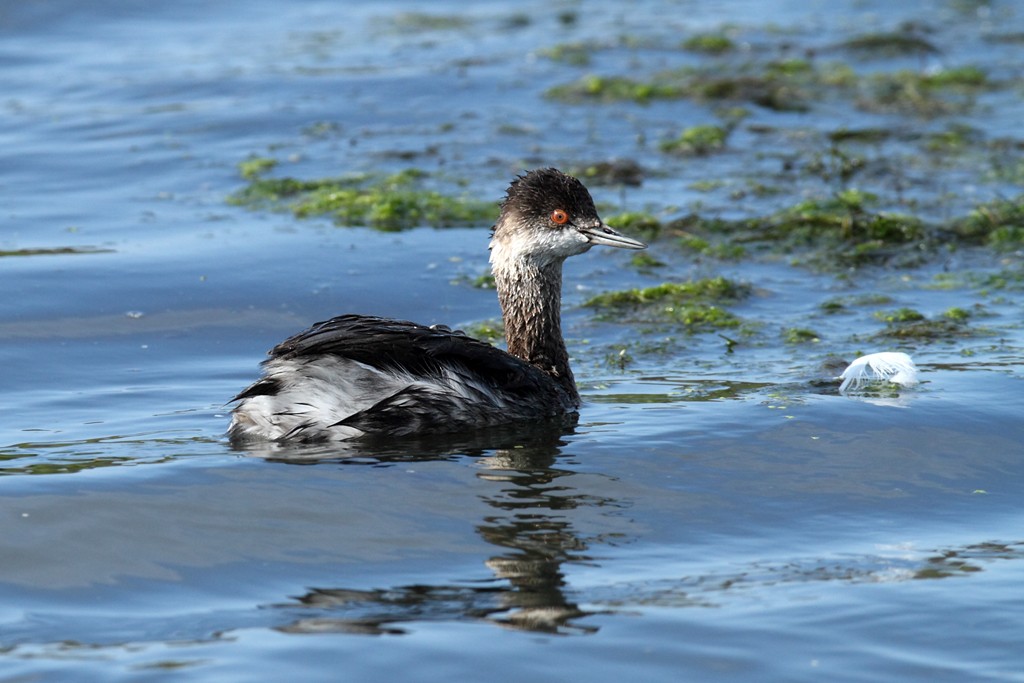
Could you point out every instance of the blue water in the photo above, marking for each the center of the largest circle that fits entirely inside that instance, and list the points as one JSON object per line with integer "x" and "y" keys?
{"x": 714, "y": 515}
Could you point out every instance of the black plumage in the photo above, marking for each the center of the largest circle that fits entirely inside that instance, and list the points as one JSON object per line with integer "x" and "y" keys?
{"x": 357, "y": 375}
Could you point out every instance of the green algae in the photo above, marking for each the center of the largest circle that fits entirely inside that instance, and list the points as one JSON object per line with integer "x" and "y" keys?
{"x": 485, "y": 281}
{"x": 254, "y": 167}
{"x": 490, "y": 331}
{"x": 845, "y": 229}
{"x": 957, "y": 77}
{"x": 841, "y": 230}
{"x": 619, "y": 358}
{"x": 53, "y": 251}
{"x": 615, "y": 172}
{"x": 860, "y": 135}
{"x": 418, "y": 22}
{"x": 614, "y": 89}
{"x": 910, "y": 324}
{"x": 517, "y": 20}
{"x": 706, "y": 185}
{"x": 717, "y": 289}
{"x": 957, "y": 314}
{"x": 900, "y": 315}
{"x": 636, "y": 223}
{"x": 643, "y": 261}
{"x": 929, "y": 329}
{"x": 771, "y": 91}
{"x": 1004, "y": 280}
{"x": 724, "y": 251}
{"x": 574, "y": 54}
{"x": 956, "y": 138}
{"x": 792, "y": 84}
{"x": 696, "y": 305}
{"x": 697, "y": 141}
{"x": 833, "y": 306}
{"x": 568, "y": 17}
{"x": 394, "y": 202}
{"x": 928, "y": 95}
{"x": 709, "y": 43}
{"x": 782, "y": 85}
{"x": 846, "y": 216}
{"x": 800, "y": 335}
{"x": 999, "y": 224}
{"x": 842, "y": 304}
{"x": 888, "y": 44}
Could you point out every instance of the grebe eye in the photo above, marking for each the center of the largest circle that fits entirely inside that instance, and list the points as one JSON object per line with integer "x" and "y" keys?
{"x": 559, "y": 217}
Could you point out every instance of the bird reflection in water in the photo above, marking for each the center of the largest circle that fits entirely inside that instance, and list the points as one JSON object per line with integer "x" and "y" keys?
{"x": 530, "y": 525}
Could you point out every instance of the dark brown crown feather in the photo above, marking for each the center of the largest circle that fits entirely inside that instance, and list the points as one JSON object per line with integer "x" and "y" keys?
{"x": 537, "y": 193}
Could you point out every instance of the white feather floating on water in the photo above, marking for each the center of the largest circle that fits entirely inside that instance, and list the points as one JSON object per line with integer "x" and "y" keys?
{"x": 887, "y": 366}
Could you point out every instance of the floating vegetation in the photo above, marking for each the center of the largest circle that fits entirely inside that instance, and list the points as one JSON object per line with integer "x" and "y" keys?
{"x": 394, "y": 202}
{"x": 614, "y": 172}
{"x": 720, "y": 250}
{"x": 321, "y": 130}
{"x": 957, "y": 137}
{"x": 637, "y": 223}
{"x": 574, "y": 54}
{"x": 776, "y": 86}
{"x": 490, "y": 331}
{"x": 900, "y": 315}
{"x": 886, "y": 45}
{"x": 861, "y": 135}
{"x": 416, "y": 22}
{"x": 800, "y": 335}
{"x": 949, "y": 91}
{"x": 842, "y": 229}
{"x": 614, "y": 89}
{"x": 717, "y": 289}
{"x": 254, "y": 167}
{"x": 644, "y": 261}
{"x": 791, "y": 85}
{"x": 832, "y": 306}
{"x": 697, "y": 141}
{"x": 907, "y": 323}
{"x": 999, "y": 224}
{"x": 959, "y": 77}
{"x": 1005, "y": 280}
{"x": 568, "y": 17}
{"x": 485, "y": 281}
{"x": 845, "y": 216}
{"x": 53, "y": 251}
{"x": 842, "y": 304}
{"x": 709, "y": 43}
{"x": 697, "y": 305}
{"x": 957, "y": 314}
{"x": 619, "y": 358}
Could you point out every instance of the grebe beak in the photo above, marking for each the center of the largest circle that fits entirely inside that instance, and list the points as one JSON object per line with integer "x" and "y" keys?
{"x": 602, "y": 234}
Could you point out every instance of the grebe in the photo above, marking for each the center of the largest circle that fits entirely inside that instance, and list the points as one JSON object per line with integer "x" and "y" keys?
{"x": 358, "y": 375}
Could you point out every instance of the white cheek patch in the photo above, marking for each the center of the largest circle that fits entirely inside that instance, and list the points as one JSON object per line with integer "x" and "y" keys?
{"x": 540, "y": 246}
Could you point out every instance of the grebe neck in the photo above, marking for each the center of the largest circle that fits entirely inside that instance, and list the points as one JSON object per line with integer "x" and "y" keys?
{"x": 530, "y": 294}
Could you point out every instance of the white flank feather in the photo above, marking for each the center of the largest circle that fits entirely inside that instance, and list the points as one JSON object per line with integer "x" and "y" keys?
{"x": 888, "y": 366}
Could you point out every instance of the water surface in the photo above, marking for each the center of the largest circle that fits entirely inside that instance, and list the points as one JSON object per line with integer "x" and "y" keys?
{"x": 716, "y": 513}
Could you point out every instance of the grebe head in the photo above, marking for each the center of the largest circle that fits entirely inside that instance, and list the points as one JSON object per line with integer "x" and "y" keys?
{"x": 548, "y": 216}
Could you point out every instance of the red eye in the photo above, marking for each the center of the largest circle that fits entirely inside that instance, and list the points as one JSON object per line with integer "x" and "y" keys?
{"x": 559, "y": 217}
